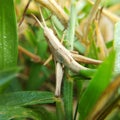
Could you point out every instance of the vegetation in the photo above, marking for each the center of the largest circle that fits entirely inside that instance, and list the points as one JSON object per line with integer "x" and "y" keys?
{"x": 82, "y": 52}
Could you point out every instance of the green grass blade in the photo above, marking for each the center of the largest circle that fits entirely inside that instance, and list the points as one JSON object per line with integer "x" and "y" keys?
{"x": 68, "y": 84}
{"x": 68, "y": 99}
{"x": 59, "y": 109}
{"x": 26, "y": 98}
{"x": 8, "y": 35}
{"x": 6, "y": 76}
{"x": 117, "y": 47}
{"x": 8, "y": 113}
{"x": 96, "y": 87}
{"x": 72, "y": 22}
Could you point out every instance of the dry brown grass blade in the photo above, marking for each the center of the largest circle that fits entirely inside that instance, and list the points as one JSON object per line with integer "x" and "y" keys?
{"x": 31, "y": 55}
{"x": 100, "y": 42}
{"x": 109, "y": 14}
{"x": 115, "y": 8}
{"x": 90, "y": 19}
{"x": 104, "y": 99}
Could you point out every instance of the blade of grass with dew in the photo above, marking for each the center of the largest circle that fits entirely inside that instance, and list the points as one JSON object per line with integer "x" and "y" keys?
{"x": 26, "y": 98}
{"x": 96, "y": 87}
{"x": 8, "y": 35}
{"x": 117, "y": 48}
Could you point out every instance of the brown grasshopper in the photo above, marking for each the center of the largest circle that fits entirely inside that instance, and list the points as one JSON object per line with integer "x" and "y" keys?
{"x": 62, "y": 56}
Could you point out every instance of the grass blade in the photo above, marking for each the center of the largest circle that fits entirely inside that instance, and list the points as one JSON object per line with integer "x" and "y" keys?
{"x": 59, "y": 109}
{"x": 117, "y": 47}
{"x": 96, "y": 87}
{"x": 68, "y": 99}
{"x": 8, "y": 35}
{"x": 26, "y": 98}
{"x": 6, "y": 76}
{"x": 72, "y": 22}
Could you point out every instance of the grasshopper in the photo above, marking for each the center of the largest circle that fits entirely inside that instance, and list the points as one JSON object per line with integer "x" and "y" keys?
{"x": 61, "y": 55}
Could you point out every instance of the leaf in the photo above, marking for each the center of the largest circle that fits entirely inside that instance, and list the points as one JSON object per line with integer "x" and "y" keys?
{"x": 68, "y": 99}
{"x": 81, "y": 48}
{"x": 8, "y": 35}
{"x": 35, "y": 78}
{"x": 26, "y": 98}
{"x": 57, "y": 23}
{"x": 8, "y": 113}
{"x": 117, "y": 48}
{"x": 59, "y": 109}
{"x": 71, "y": 25}
{"x": 6, "y": 76}
{"x": 96, "y": 87}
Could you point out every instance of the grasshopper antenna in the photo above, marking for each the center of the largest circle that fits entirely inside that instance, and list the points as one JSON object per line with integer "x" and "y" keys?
{"x": 38, "y": 21}
{"x": 42, "y": 17}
